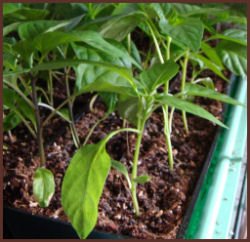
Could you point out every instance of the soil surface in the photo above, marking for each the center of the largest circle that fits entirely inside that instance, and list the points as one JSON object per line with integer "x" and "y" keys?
{"x": 163, "y": 200}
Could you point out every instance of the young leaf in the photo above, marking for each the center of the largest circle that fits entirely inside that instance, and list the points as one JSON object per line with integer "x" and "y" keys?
{"x": 118, "y": 28}
{"x": 83, "y": 185}
{"x": 208, "y": 64}
{"x": 188, "y": 33}
{"x": 122, "y": 169}
{"x": 9, "y": 97}
{"x": 238, "y": 36}
{"x": 198, "y": 90}
{"x": 234, "y": 57}
{"x": 158, "y": 75}
{"x": 206, "y": 81}
{"x": 128, "y": 109}
{"x": 29, "y": 30}
{"x": 135, "y": 52}
{"x": 9, "y": 8}
{"x": 10, "y": 121}
{"x": 43, "y": 186}
{"x": 188, "y": 107}
{"x": 211, "y": 54}
{"x": 142, "y": 179}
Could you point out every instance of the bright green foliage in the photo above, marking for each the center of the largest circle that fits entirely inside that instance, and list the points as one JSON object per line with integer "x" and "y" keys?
{"x": 122, "y": 169}
{"x": 43, "y": 186}
{"x": 142, "y": 179}
{"x": 234, "y": 57}
{"x": 82, "y": 186}
{"x": 187, "y": 33}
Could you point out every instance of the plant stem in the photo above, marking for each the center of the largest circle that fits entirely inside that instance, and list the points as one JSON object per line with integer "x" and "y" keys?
{"x": 38, "y": 122}
{"x": 129, "y": 43}
{"x": 169, "y": 39}
{"x": 156, "y": 43}
{"x": 167, "y": 129}
{"x": 70, "y": 106}
{"x": 134, "y": 173}
{"x": 183, "y": 82}
{"x": 51, "y": 115}
{"x": 91, "y": 103}
{"x": 50, "y": 88}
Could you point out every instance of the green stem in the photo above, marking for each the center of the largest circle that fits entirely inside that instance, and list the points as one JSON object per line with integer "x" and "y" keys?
{"x": 170, "y": 153}
{"x": 129, "y": 43}
{"x": 93, "y": 128}
{"x": 38, "y": 122}
{"x": 50, "y": 88}
{"x": 134, "y": 173}
{"x": 70, "y": 106}
{"x": 183, "y": 82}
{"x": 156, "y": 43}
{"x": 91, "y": 103}
{"x": 169, "y": 39}
{"x": 140, "y": 125}
{"x": 51, "y": 115}
{"x": 106, "y": 139}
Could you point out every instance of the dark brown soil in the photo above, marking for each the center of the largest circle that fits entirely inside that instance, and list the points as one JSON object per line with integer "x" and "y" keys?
{"x": 163, "y": 200}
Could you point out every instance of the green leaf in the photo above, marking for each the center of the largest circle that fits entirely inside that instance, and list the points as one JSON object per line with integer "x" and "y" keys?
{"x": 10, "y": 28}
{"x": 238, "y": 36}
{"x": 32, "y": 29}
{"x": 188, "y": 32}
{"x": 25, "y": 49}
{"x": 46, "y": 42}
{"x": 26, "y": 110}
{"x": 43, "y": 186}
{"x": 234, "y": 57}
{"x": 198, "y": 90}
{"x": 186, "y": 10}
{"x": 24, "y": 13}
{"x": 10, "y": 121}
{"x": 9, "y": 8}
{"x": 5, "y": 147}
{"x": 118, "y": 28}
{"x": 142, "y": 179}
{"x": 211, "y": 54}
{"x": 188, "y": 107}
{"x": 10, "y": 61}
{"x": 109, "y": 82}
{"x": 83, "y": 185}
{"x": 206, "y": 81}
{"x": 163, "y": 10}
{"x": 135, "y": 52}
{"x": 122, "y": 169}
{"x": 128, "y": 109}
{"x": 158, "y": 75}
{"x": 208, "y": 65}
{"x": 9, "y": 97}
